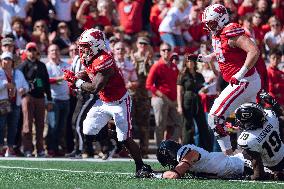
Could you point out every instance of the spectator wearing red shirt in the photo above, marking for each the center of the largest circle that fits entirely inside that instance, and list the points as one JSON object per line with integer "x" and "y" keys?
{"x": 259, "y": 30}
{"x": 278, "y": 9}
{"x": 275, "y": 77}
{"x": 195, "y": 33}
{"x": 264, "y": 9}
{"x": 130, "y": 13}
{"x": 161, "y": 81}
{"x": 92, "y": 19}
{"x": 158, "y": 12}
{"x": 246, "y": 7}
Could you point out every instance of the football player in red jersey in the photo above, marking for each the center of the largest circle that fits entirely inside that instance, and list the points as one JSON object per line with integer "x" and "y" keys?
{"x": 236, "y": 55}
{"x": 107, "y": 81}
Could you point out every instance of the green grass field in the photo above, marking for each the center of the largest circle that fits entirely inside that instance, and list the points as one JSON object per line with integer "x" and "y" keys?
{"x": 101, "y": 175}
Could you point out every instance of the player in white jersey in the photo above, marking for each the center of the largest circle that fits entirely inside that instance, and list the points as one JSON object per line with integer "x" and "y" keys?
{"x": 260, "y": 138}
{"x": 195, "y": 160}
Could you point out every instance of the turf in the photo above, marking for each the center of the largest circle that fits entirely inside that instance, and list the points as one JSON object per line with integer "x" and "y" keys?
{"x": 101, "y": 175}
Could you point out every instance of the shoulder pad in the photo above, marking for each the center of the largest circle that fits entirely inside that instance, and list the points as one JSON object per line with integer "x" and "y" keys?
{"x": 233, "y": 30}
{"x": 103, "y": 61}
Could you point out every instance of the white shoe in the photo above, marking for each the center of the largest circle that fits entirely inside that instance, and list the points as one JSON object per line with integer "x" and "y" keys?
{"x": 10, "y": 153}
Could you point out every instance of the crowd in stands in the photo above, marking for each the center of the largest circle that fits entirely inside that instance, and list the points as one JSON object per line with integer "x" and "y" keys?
{"x": 150, "y": 41}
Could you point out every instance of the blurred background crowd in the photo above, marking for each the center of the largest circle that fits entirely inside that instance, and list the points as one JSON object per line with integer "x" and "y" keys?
{"x": 38, "y": 41}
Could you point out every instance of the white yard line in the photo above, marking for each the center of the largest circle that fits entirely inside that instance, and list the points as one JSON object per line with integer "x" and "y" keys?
{"x": 74, "y": 159}
{"x": 264, "y": 182}
{"x": 65, "y": 170}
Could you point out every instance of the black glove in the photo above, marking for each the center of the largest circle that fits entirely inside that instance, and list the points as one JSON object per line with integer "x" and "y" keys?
{"x": 145, "y": 172}
{"x": 267, "y": 98}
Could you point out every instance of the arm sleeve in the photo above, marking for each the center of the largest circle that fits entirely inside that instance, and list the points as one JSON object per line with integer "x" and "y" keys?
{"x": 150, "y": 82}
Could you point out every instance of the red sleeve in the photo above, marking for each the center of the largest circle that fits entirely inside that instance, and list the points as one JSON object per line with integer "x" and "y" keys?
{"x": 150, "y": 82}
{"x": 52, "y": 80}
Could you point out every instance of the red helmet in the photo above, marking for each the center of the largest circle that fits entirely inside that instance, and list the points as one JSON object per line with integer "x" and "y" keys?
{"x": 215, "y": 17}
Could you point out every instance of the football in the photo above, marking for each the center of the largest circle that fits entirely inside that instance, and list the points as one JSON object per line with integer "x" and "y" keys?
{"x": 82, "y": 75}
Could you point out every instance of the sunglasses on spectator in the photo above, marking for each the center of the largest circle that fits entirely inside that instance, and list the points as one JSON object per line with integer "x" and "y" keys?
{"x": 164, "y": 50}
{"x": 256, "y": 16}
{"x": 274, "y": 25}
{"x": 39, "y": 26}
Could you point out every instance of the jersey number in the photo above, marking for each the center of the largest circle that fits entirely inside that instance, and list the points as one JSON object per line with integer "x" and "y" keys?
{"x": 273, "y": 144}
{"x": 245, "y": 136}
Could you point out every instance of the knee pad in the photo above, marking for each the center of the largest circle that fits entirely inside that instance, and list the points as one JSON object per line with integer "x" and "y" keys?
{"x": 217, "y": 124}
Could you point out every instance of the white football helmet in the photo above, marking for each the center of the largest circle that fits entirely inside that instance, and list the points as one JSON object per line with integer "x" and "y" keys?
{"x": 91, "y": 42}
{"x": 215, "y": 17}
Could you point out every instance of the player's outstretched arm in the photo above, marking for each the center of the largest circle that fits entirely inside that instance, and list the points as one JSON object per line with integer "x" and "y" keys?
{"x": 184, "y": 165}
{"x": 98, "y": 82}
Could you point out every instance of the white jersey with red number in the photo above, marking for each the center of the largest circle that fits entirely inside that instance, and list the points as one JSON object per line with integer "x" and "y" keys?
{"x": 266, "y": 141}
{"x": 214, "y": 163}
{"x": 230, "y": 59}
{"x": 115, "y": 88}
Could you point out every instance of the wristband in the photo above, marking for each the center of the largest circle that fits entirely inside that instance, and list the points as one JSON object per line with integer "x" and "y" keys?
{"x": 79, "y": 82}
{"x": 241, "y": 73}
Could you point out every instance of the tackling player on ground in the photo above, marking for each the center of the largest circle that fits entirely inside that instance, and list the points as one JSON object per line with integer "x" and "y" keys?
{"x": 260, "y": 138}
{"x": 190, "y": 158}
{"x": 107, "y": 81}
{"x": 236, "y": 55}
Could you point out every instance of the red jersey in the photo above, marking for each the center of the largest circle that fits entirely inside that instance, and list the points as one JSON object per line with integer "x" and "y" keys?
{"x": 91, "y": 22}
{"x": 276, "y": 84}
{"x": 115, "y": 88}
{"x": 230, "y": 59}
{"x": 163, "y": 77}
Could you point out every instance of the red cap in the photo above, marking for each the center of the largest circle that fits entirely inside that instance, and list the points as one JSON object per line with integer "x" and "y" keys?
{"x": 31, "y": 45}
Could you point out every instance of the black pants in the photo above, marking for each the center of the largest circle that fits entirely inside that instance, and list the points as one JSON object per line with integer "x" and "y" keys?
{"x": 83, "y": 105}
{"x": 193, "y": 110}
{"x": 69, "y": 134}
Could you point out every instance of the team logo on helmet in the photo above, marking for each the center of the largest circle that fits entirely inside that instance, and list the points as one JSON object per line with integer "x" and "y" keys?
{"x": 246, "y": 115}
{"x": 91, "y": 42}
{"x": 215, "y": 17}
